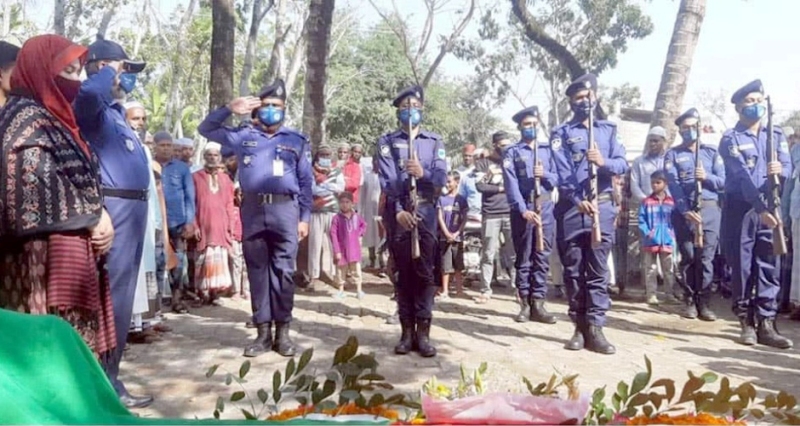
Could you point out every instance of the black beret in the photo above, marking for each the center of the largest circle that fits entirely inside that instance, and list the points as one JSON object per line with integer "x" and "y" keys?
{"x": 753, "y": 86}
{"x": 529, "y": 111}
{"x": 690, "y": 113}
{"x": 415, "y": 91}
{"x": 8, "y": 54}
{"x": 275, "y": 90}
{"x": 586, "y": 81}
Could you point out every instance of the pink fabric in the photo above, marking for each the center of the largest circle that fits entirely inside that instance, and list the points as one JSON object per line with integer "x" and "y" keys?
{"x": 352, "y": 178}
{"x": 346, "y": 237}
{"x": 237, "y": 224}
{"x": 215, "y": 211}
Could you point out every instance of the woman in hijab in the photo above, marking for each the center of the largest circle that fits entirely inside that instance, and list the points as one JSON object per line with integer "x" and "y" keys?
{"x": 52, "y": 223}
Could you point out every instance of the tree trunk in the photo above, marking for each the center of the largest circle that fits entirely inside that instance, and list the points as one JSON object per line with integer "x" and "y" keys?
{"x": 678, "y": 64}
{"x": 319, "y": 23}
{"x": 276, "y": 58}
{"x": 108, "y": 15}
{"x": 223, "y": 33}
{"x": 259, "y": 12}
{"x": 60, "y": 17}
{"x": 173, "y": 103}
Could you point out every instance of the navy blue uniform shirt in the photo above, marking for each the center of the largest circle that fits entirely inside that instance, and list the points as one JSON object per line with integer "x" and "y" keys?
{"x": 679, "y": 165}
{"x": 268, "y": 164}
{"x": 123, "y": 163}
{"x": 518, "y": 173}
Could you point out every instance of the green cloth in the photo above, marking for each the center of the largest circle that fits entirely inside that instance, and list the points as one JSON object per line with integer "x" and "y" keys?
{"x": 49, "y": 376}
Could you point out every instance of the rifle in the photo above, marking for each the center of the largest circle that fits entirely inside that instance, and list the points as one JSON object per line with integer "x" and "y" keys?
{"x": 774, "y": 187}
{"x": 698, "y": 192}
{"x": 537, "y": 205}
{"x": 412, "y": 155}
{"x": 597, "y": 236}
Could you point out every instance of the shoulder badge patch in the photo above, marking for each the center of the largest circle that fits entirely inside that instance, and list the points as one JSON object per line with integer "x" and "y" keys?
{"x": 668, "y": 164}
{"x": 385, "y": 150}
{"x": 734, "y": 150}
{"x": 507, "y": 162}
{"x": 556, "y": 144}
{"x": 440, "y": 153}
{"x": 784, "y": 146}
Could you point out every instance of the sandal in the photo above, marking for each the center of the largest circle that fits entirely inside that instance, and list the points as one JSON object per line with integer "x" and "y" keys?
{"x": 482, "y": 299}
{"x": 180, "y": 308}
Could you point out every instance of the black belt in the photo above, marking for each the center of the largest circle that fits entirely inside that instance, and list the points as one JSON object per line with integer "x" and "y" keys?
{"x": 267, "y": 198}
{"x": 128, "y": 194}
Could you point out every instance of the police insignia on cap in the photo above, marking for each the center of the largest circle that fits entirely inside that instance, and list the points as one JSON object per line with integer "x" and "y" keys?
{"x": 587, "y": 84}
{"x": 279, "y": 91}
{"x": 441, "y": 153}
{"x": 129, "y": 144}
{"x": 417, "y": 95}
{"x": 385, "y": 150}
{"x": 556, "y": 144}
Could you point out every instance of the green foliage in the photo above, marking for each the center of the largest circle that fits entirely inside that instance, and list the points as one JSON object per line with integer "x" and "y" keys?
{"x": 352, "y": 377}
{"x": 793, "y": 121}
{"x": 628, "y": 96}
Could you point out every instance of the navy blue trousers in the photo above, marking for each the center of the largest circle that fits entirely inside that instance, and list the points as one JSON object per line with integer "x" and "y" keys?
{"x": 533, "y": 266}
{"x": 697, "y": 290}
{"x": 416, "y": 285}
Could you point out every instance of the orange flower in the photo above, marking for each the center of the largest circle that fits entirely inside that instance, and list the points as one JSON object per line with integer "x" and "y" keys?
{"x": 351, "y": 408}
{"x": 683, "y": 419}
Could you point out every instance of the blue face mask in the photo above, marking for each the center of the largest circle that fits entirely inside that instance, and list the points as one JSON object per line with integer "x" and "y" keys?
{"x": 324, "y": 162}
{"x": 127, "y": 81}
{"x": 689, "y": 135}
{"x": 413, "y": 113}
{"x": 528, "y": 134}
{"x": 270, "y": 115}
{"x": 754, "y": 112}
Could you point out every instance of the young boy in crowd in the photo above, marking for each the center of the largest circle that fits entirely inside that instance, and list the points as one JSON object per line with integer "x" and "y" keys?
{"x": 347, "y": 228}
{"x": 452, "y": 213}
{"x": 658, "y": 237}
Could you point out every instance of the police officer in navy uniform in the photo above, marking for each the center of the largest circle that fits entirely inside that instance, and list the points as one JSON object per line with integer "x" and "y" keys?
{"x": 586, "y": 274}
{"x": 747, "y": 236}
{"x": 683, "y": 174}
{"x": 275, "y": 177}
{"x": 125, "y": 173}
{"x": 416, "y": 284}
{"x": 519, "y": 173}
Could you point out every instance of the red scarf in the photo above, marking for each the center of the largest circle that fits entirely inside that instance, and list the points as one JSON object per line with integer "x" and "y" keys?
{"x": 40, "y": 60}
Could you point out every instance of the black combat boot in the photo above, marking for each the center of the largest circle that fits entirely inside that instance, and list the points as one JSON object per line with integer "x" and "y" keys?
{"x": 748, "y": 334}
{"x": 423, "y": 338}
{"x": 539, "y": 312}
{"x": 524, "y": 310}
{"x": 283, "y": 344}
{"x": 596, "y": 341}
{"x": 768, "y": 334}
{"x": 263, "y": 342}
{"x": 406, "y": 338}
{"x": 577, "y": 341}
{"x": 704, "y": 311}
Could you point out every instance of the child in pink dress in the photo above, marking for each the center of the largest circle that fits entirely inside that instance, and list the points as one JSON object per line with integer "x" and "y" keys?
{"x": 347, "y": 228}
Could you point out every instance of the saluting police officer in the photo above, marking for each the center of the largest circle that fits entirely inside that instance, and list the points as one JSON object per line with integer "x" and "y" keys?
{"x": 519, "y": 174}
{"x": 585, "y": 267}
{"x": 275, "y": 177}
{"x": 416, "y": 284}
{"x": 683, "y": 174}
{"x": 747, "y": 236}
{"x": 125, "y": 173}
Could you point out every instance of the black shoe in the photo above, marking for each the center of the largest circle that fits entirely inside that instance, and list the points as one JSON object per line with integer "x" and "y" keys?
{"x": 263, "y": 342}
{"x": 705, "y": 313}
{"x": 748, "y": 335}
{"x": 690, "y": 312}
{"x": 130, "y": 401}
{"x": 576, "y": 342}
{"x": 768, "y": 335}
{"x": 596, "y": 341}
{"x": 283, "y": 344}
{"x": 406, "y": 338}
{"x": 422, "y": 338}
{"x": 539, "y": 312}
{"x": 524, "y": 311}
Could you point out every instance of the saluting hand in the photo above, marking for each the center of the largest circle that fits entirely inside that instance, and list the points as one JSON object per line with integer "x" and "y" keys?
{"x": 243, "y": 105}
{"x": 302, "y": 230}
{"x": 774, "y": 168}
{"x": 538, "y": 170}
{"x": 103, "y": 234}
{"x": 414, "y": 168}
{"x": 700, "y": 173}
{"x": 595, "y": 156}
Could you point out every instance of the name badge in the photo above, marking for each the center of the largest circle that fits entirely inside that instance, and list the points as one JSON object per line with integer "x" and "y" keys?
{"x": 683, "y": 159}
{"x": 400, "y": 145}
{"x": 277, "y": 168}
{"x": 571, "y": 141}
{"x": 250, "y": 144}
{"x": 746, "y": 146}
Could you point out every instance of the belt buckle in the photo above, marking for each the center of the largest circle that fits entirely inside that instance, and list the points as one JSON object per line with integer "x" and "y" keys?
{"x": 143, "y": 195}
{"x": 266, "y": 198}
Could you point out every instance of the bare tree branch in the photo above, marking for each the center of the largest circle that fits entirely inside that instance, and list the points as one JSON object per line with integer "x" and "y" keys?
{"x": 259, "y": 13}
{"x": 447, "y": 46}
{"x": 400, "y": 32}
{"x": 427, "y": 30}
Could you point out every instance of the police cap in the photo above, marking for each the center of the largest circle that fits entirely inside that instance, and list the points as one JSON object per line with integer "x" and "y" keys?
{"x": 690, "y": 113}
{"x": 275, "y": 90}
{"x": 532, "y": 111}
{"x": 753, "y": 86}
{"x": 8, "y": 54}
{"x": 586, "y": 81}
{"x": 415, "y": 91}
{"x": 107, "y": 50}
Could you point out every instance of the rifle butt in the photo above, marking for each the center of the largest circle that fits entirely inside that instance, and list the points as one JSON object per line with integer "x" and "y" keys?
{"x": 698, "y": 236}
{"x": 539, "y": 238}
{"x": 778, "y": 241}
{"x": 415, "y": 254}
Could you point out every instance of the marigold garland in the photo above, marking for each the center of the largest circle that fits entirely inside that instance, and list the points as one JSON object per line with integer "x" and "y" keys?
{"x": 683, "y": 419}
{"x": 348, "y": 409}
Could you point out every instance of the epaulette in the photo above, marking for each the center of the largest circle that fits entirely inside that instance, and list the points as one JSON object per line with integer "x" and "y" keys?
{"x": 429, "y": 135}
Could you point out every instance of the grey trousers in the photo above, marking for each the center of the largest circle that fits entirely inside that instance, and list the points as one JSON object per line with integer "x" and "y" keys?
{"x": 493, "y": 230}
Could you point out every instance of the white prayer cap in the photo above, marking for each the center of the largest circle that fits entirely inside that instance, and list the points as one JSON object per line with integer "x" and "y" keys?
{"x": 133, "y": 104}
{"x": 184, "y": 142}
{"x": 212, "y": 146}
